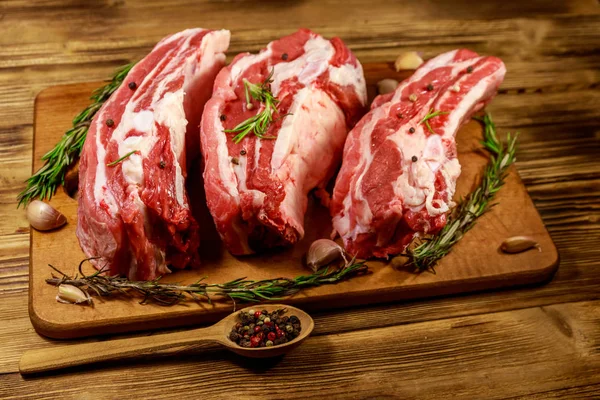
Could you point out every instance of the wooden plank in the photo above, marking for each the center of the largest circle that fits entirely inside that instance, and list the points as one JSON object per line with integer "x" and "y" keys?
{"x": 528, "y": 352}
{"x": 462, "y": 271}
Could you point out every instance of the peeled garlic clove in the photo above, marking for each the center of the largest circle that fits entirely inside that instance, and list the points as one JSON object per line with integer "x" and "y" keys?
{"x": 518, "y": 244}
{"x": 323, "y": 252}
{"x": 72, "y": 295}
{"x": 386, "y": 86}
{"x": 408, "y": 60}
{"x": 43, "y": 217}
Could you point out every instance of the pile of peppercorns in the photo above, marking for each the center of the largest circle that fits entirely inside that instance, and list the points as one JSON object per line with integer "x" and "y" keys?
{"x": 264, "y": 329}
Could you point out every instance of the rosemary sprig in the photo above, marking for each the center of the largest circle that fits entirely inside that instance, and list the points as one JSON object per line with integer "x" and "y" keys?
{"x": 258, "y": 124}
{"x": 431, "y": 114}
{"x": 242, "y": 289}
{"x": 112, "y": 164}
{"x": 45, "y": 181}
{"x": 429, "y": 250}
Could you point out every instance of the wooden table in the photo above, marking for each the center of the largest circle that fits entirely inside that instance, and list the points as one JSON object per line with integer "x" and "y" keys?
{"x": 533, "y": 342}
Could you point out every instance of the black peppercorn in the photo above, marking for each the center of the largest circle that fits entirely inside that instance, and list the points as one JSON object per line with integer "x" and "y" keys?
{"x": 469, "y": 69}
{"x": 284, "y": 56}
{"x": 110, "y": 122}
{"x": 162, "y": 165}
{"x": 399, "y": 115}
{"x": 132, "y": 85}
{"x": 414, "y": 158}
{"x": 223, "y": 117}
{"x": 243, "y": 152}
{"x": 429, "y": 87}
{"x": 412, "y": 130}
{"x": 235, "y": 161}
{"x": 294, "y": 319}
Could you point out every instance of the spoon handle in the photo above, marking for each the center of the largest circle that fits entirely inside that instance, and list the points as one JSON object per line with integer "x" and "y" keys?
{"x": 42, "y": 360}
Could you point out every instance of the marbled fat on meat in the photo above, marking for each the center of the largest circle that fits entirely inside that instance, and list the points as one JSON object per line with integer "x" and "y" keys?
{"x": 398, "y": 178}
{"x": 135, "y": 215}
{"x": 257, "y": 190}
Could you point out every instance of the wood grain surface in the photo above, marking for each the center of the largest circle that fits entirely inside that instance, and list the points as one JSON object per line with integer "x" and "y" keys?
{"x": 461, "y": 271}
{"x": 541, "y": 342}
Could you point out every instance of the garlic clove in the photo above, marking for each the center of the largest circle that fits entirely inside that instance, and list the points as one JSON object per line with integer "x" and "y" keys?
{"x": 408, "y": 60}
{"x": 386, "y": 86}
{"x": 43, "y": 217}
{"x": 323, "y": 252}
{"x": 518, "y": 244}
{"x": 70, "y": 294}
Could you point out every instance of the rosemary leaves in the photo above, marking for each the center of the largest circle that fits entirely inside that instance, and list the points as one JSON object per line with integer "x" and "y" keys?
{"x": 126, "y": 156}
{"x": 428, "y": 251}
{"x": 242, "y": 289}
{"x": 431, "y": 114}
{"x": 45, "y": 181}
{"x": 258, "y": 124}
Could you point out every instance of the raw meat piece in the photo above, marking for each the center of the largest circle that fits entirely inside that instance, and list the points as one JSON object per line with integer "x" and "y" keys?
{"x": 257, "y": 190}
{"x": 135, "y": 215}
{"x": 394, "y": 183}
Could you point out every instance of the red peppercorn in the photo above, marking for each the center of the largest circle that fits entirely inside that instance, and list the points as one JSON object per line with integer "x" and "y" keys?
{"x": 280, "y": 334}
{"x": 268, "y": 323}
{"x": 271, "y": 336}
{"x": 254, "y": 341}
{"x": 257, "y": 329}
{"x": 257, "y": 314}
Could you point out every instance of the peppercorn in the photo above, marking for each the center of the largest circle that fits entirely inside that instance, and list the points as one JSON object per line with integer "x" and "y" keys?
{"x": 262, "y": 317}
{"x": 429, "y": 87}
{"x": 132, "y": 85}
{"x": 272, "y": 336}
{"x": 257, "y": 314}
{"x": 412, "y": 130}
{"x": 267, "y": 319}
{"x": 265, "y": 312}
{"x": 414, "y": 158}
{"x": 399, "y": 115}
{"x": 269, "y": 343}
{"x": 234, "y": 336}
{"x": 162, "y": 165}
{"x": 294, "y": 319}
{"x": 110, "y": 123}
{"x": 243, "y": 152}
{"x": 469, "y": 69}
{"x": 284, "y": 56}
{"x": 222, "y": 117}
{"x": 235, "y": 161}
{"x": 289, "y": 328}
{"x": 254, "y": 341}
{"x": 284, "y": 319}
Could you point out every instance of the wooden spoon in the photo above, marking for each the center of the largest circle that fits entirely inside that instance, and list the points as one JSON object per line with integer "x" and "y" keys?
{"x": 35, "y": 361}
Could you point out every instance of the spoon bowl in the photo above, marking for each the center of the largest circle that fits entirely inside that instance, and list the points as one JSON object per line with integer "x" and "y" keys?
{"x": 59, "y": 357}
{"x": 306, "y": 323}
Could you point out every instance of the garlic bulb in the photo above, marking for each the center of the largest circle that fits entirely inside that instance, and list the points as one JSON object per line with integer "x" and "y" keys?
{"x": 518, "y": 244}
{"x": 70, "y": 294}
{"x": 43, "y": 216}
{"x": 386, "y": 86}
{"x": 408, "y": 60}
{"x": 323, "y": 252}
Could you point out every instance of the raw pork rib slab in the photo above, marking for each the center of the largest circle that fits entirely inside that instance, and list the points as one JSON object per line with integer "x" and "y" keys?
{"x": 398, "y": 176}
{"x": 257, "y": 190}
{"x": 135, "y": 215}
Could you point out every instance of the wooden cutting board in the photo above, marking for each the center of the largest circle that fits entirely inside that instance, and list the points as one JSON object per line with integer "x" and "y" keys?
{"x": 474, "y": 264}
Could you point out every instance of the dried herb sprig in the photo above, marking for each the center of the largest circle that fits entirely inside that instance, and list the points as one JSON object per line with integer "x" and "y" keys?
{"x": 45, "y": 181}
{"x": 258, "y": 124}
{"x": 425, "y": 255}
{"x": 242, "y": 289}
